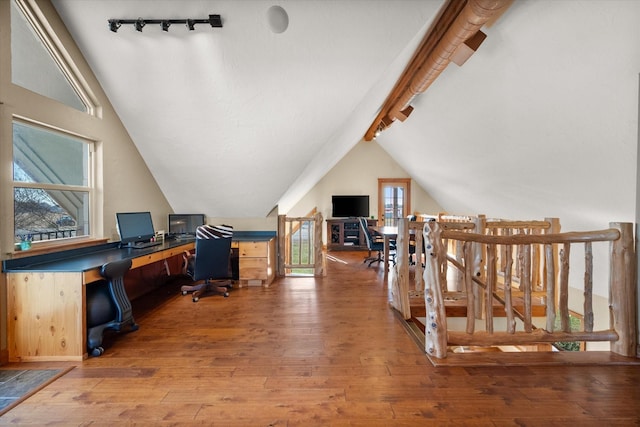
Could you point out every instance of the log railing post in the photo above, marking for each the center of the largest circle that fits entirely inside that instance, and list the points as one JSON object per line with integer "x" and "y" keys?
{"x": 623, "y": 291}
{"x": 416, "y": 234}
{"x": 479, "y": 261}
{"x": 319, "y": 269}
{"x": 402, "y": 267}
{"x": 282, "y": 241}
{"x": 436, "y": 319}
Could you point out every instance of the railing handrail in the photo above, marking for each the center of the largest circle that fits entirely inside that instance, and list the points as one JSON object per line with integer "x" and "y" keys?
{"x": 605, "y": 235}
{"x": 521, "y": 224}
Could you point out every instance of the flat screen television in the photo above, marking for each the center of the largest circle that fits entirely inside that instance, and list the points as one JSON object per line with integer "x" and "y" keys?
{"x": 134, "y": 227}
{"x": 349, "y": 206}
{"x": 185, "y": 224}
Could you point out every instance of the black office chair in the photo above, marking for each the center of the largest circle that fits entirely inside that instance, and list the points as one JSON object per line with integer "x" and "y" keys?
{"x": 374, "y": 243}
{"x": 108, "y": 306}
{"x": 211, "y": 263}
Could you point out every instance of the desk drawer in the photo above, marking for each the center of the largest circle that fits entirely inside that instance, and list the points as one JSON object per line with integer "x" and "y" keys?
{"x": 253, "y": 249}
{"x": 146, "y": 259}
{"x": 253, "y": 268}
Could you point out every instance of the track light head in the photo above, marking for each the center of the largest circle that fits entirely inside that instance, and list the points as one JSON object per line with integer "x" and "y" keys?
{"x": 114, "y": 24}
{"x": 165, "y": 24}
{"x": 191, "y": 24}
{"x": 140, "y": 24}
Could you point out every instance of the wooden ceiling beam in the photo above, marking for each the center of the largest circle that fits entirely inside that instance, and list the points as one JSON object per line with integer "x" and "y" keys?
{"x": 458, "y": 21}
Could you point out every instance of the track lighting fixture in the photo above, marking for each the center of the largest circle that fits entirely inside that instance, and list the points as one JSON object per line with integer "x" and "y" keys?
{"x": 214, "y": 20}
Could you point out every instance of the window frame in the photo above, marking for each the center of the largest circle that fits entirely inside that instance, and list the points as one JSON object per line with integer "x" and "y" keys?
{"x": 89, "y": 189}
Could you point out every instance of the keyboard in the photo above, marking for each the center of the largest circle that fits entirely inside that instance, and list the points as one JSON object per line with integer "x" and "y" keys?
{"x": 184, "y": 236}
{"x": 142, "y": 245}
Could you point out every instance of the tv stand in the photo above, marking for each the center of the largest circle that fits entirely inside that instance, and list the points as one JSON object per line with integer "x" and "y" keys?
{"x": 345, "y": 234}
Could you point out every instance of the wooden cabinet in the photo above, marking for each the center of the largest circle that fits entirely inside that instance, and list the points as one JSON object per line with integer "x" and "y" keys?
{"x": 346, "y": 234}
{"x": 46, "y": 317}
{"x": 257, "y": 262}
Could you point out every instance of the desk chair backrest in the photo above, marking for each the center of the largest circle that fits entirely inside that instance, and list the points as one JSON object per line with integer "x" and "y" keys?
{"x": 214, "y": 232}
{"x": 364, "y": 225}
{"x": 213, "y": 253}
{"x": 114, "y": 272}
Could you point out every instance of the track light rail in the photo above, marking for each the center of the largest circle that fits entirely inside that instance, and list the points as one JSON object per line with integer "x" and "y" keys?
{"x": 214, "y": 20}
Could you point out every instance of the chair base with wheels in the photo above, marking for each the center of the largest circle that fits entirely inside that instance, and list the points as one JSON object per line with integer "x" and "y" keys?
{"x": 220, "y": 287}
{"x": 108, "y": 306}
{"x": 371, "y": 259}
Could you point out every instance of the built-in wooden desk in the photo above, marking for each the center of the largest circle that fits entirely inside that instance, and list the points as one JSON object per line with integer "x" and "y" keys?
{"x": 46, "y": 294}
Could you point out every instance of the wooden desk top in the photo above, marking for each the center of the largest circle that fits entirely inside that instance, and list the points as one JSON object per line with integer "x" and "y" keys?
{"x": 93, "y": 257}
{"x": 90, "y": 258}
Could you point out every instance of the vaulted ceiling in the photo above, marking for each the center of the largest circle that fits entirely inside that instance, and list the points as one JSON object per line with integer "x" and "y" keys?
{"x": 540, "y": 121}
{"x": 247, "y": 110}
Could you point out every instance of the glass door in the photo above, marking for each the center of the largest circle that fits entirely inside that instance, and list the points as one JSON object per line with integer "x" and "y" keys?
{"x": 394, "y": 200}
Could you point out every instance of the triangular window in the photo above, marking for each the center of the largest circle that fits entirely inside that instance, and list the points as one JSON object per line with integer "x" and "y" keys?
{"x": 36, "y": 63}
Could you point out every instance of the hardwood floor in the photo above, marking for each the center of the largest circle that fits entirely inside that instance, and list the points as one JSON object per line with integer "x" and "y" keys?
{"x": 311, "y": 352}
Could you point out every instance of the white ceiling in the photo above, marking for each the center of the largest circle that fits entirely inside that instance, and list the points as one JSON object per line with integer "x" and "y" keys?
{"x": 541, "y": 121}
{"x": 256, "y": 117}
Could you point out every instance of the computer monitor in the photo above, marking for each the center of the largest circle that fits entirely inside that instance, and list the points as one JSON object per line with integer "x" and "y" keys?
{"x": 134, "y": 227}
{"x": 185, "y": 224}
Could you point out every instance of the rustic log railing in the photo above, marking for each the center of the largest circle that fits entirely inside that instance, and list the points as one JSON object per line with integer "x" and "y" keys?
{"x": 500, "y": 250}
{"x": 300, "y": 245}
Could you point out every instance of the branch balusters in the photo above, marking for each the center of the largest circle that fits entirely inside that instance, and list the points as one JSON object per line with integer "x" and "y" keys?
{"x": 533, "y": 274}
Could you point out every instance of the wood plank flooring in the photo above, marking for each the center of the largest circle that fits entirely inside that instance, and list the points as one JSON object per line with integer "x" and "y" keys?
{"x": 311, "y": 352}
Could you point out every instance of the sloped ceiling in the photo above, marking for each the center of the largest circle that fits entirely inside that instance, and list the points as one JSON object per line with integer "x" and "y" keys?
{"x": 233, "y": 121}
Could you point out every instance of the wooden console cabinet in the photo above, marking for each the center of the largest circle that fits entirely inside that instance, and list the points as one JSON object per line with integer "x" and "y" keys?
{"x": 346, "y": 234}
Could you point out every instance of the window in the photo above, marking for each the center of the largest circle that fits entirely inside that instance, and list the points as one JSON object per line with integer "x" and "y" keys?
{"x": 394, "y": 199}
{"x": 38, "y": 65}
{"x": 51, "y": 183}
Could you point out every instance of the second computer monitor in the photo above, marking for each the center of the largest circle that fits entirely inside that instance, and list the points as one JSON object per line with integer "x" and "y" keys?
{"x": 185, "y": 224}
